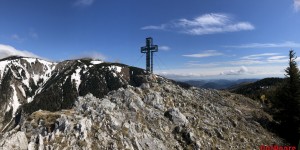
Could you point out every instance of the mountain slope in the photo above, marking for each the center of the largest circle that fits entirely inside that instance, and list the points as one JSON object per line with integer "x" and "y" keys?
{"x": 260, "y": 90}
{"x": 87, "y": 104}
{"x": 37, "y": 84}
{"x": 20, "y": 80}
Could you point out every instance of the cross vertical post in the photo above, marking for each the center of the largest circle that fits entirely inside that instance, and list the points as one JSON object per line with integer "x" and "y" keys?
{"x": 151, "y": 63}
{"x": 149, "y": 49}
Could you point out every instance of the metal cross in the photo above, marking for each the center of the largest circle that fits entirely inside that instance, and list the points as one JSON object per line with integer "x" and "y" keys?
{"x": 149, "y": 49}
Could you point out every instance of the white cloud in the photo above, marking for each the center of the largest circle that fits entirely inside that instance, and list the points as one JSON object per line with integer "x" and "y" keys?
{"x": 258, "y": 56}
{"x": 161, "y": 27}
{"x": 88, "y": 54}
{"x": 97, "y": 55}
{"x": 205, "y": 24}
{"x": 242, "y": 70}
{"x": 6, "y": 50}
{"x": 250, "y": 66}
{"x": 180, "y": 75}
{"x": 197, "y": 64}
{"x": 250, "y": 60}
{"x": 259, "y": 59}
{"x": 83, "y": 2}
{"x": 207, "y": 53}
{"x": 244, "y": 62}
{"x": 277, "y": 57}
{"x": 204, "y": 20}
{"x": 17, "y": 38}
{"x": 297, "y": 5}
{"x": 285, "y": 61}
{"x": 225, "y": 72}
{"x": 287, "y": 44}
{"x": 257, "y": 62}
{"x": 33, "y": 34}
{"x": 164, "y": 48}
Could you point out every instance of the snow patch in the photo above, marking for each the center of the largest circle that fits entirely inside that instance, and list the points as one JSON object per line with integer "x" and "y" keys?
{"x": 15, "y": 100}
{"x": 8, "y": 107}
{"x": 3, "y": 65}
{"x": 35, "y": 78}
{"x": 46, "y": 63}
{"x": 76, "y": 76}
{"x": 30, "y": 60}
{"x": 95, "y": 62}
{"x": 29, "y": 99}
{"x": 114, "y": 74}
{"x": 85, "y": 69}
{"x": 115, "y": 68}
{"x": 26, "y": 82}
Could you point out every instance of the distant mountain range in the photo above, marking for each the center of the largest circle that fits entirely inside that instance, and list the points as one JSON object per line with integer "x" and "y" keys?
{"x": 219, "y": 84}
{"x": 261, "y": 90}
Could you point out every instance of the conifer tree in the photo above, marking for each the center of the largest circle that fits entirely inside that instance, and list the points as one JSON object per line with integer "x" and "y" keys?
{"x": 289, "y": 102}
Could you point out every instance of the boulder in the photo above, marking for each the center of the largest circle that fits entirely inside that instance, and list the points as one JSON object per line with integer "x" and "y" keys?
{"x": 176, "y": 116}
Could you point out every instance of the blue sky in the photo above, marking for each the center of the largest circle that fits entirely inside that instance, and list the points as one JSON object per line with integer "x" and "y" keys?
{"x": 199, "y": 39}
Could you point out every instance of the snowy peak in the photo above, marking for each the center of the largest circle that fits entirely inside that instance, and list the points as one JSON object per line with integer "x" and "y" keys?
{"x": 23, "y": 68}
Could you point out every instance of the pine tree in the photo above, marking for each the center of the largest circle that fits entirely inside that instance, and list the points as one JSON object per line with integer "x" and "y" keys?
{"x": 289, "y": 102}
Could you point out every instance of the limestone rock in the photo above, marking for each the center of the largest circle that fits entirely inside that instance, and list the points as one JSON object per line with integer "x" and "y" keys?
{"x": 176, "y": 116}
{"x": 17, "y": 141}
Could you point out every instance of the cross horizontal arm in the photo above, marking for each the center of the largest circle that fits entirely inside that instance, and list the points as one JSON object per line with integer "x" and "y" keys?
{"x": 154, "y": 48}
{"x": 144, "y": 49}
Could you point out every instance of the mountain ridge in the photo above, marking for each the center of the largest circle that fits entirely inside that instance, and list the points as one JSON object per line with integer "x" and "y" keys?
{"x": 87, "y": 104}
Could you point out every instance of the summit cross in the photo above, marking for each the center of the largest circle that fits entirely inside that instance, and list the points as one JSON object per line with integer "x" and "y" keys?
{"x": 149, "y": 49}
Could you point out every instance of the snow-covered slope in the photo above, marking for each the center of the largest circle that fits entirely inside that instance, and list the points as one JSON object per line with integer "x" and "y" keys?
{"x": 27, "y": 70}
{"x": 20, "y": 77}
{"x": 33, "y": 84}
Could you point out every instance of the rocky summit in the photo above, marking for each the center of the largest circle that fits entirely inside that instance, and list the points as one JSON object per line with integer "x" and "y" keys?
{"x": 91, "y": 104}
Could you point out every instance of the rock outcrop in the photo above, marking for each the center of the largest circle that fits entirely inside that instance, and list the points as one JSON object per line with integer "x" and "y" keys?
{"x": 158, "y": 114}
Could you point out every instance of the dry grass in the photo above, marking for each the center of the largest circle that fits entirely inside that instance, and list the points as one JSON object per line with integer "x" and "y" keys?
{"x": 125, "y": 131}
{"x": 82, "y": 143}
{"x": 48, "y": 117}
